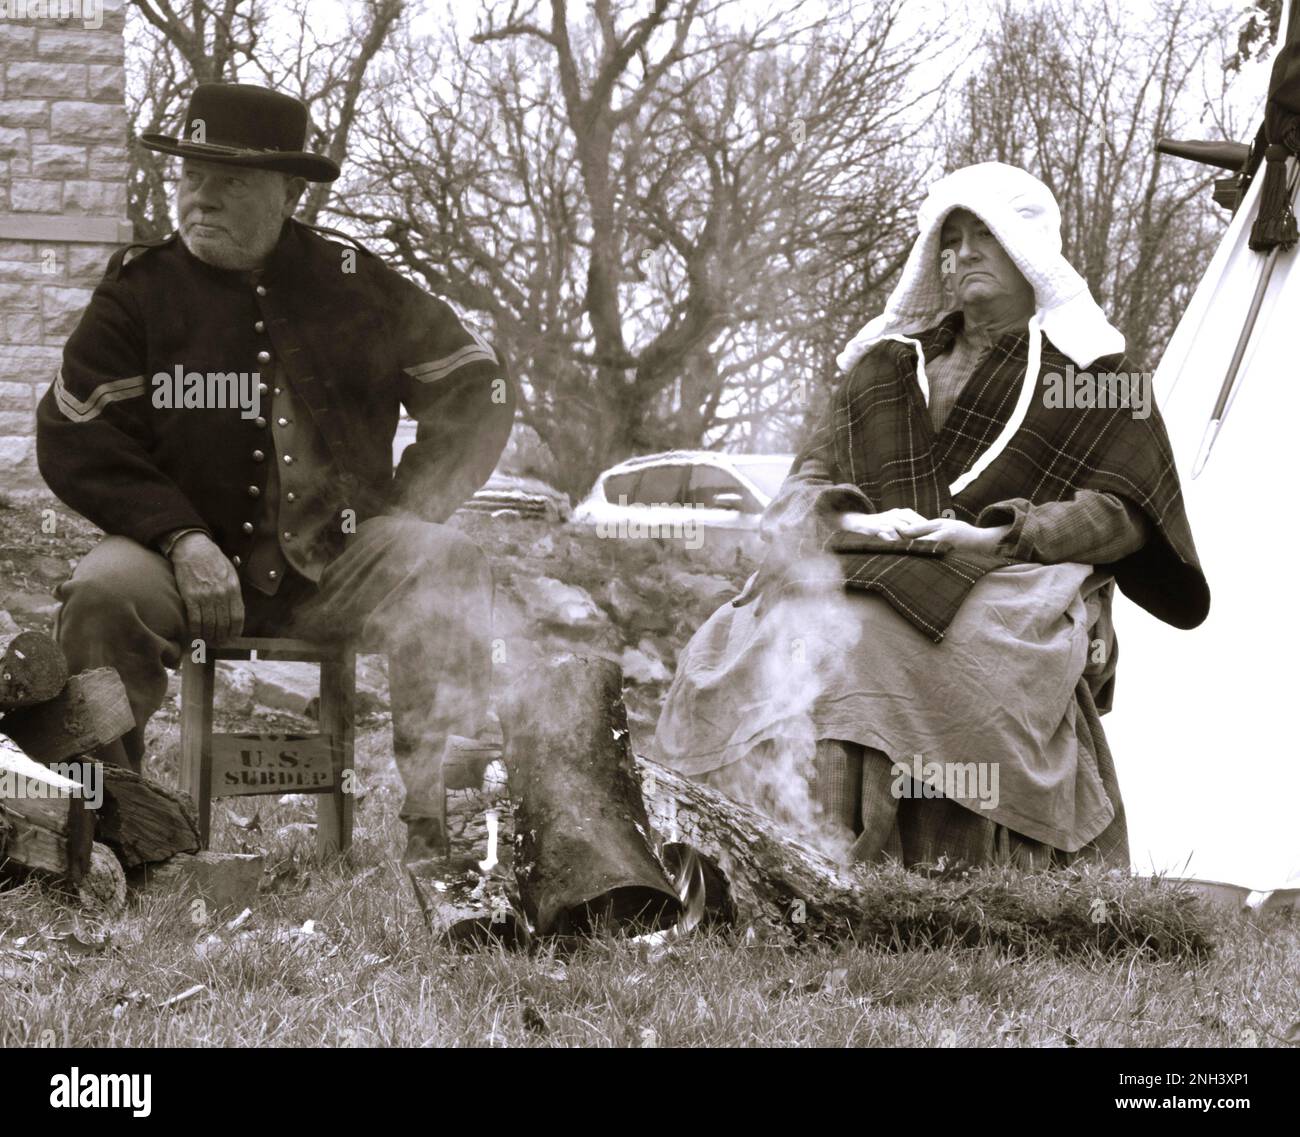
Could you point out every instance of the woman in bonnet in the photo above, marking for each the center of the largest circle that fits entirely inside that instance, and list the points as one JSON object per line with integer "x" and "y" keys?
{"x": 918, "y": 668}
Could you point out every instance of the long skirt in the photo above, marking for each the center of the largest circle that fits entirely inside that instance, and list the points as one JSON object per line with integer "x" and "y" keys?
{"x": 835, "y": 716}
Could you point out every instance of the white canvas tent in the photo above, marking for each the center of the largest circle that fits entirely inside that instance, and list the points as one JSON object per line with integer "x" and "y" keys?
{"x": 1206, "y": 725}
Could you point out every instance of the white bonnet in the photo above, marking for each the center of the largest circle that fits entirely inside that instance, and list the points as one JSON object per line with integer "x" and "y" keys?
{"x": 1023, "y": 216}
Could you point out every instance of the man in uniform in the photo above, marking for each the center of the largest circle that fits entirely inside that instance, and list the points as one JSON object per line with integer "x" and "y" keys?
{"x": 225, "y": 412}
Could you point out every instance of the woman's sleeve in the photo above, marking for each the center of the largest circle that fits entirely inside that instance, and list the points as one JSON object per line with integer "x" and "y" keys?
{"x": 809, "y": 503}
{"x": 1093, "y": 528}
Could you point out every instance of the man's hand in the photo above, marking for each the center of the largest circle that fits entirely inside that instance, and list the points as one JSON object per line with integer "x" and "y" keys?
{"x": 957, "y": 535}
{"x": 886, "y": 526}
{"x": 209, "y": 586}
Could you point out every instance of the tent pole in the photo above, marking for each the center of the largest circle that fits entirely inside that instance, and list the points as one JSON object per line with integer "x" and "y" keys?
{"x": 1290, "y": 33}
{"x": 1226, "y": 391}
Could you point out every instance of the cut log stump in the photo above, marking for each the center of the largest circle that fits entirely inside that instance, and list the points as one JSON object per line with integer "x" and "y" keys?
{"x": 32, "y": 670}
{"x": 219, "y": 880}
{"x": 89, "y": 711}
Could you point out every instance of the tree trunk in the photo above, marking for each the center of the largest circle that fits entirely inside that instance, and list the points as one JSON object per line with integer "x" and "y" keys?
{"x": 582, "y": 851}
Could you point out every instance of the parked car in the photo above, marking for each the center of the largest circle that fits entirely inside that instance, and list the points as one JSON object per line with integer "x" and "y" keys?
{"x": 720, "y": 491}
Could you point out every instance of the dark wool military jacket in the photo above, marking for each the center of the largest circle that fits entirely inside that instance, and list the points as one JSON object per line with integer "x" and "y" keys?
{"x": 350, "y": 339}
{"x": 882, "y": 452}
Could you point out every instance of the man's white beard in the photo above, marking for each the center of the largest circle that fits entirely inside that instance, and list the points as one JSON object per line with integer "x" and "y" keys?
{"x": 224, "y": 254}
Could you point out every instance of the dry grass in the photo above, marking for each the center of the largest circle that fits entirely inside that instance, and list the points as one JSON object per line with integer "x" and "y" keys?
{"x": 1080, "y": 911}
{"x": 368, "y": 974}
{"x": 993, "y": 960}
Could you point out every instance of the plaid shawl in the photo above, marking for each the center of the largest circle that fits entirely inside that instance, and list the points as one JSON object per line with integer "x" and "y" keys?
{"x": 877, "y": 435}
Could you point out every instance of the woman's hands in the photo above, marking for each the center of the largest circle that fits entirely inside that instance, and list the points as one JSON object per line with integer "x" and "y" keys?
{"x": 883, "y": 525}
{"x": 959, "y": 535}
{"x": 906, "y": 524}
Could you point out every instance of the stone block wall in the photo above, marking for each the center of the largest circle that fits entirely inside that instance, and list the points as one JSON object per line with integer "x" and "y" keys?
{"x": 63, "y": 176}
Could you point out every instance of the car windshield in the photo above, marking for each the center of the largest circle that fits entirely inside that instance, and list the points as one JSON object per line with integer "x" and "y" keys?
{"x": 768, "y": 476}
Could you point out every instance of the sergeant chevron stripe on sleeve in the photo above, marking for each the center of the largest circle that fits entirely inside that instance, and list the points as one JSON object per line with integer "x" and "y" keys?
{"x": 111, "y": 392}
{"x": 432, "y": 371}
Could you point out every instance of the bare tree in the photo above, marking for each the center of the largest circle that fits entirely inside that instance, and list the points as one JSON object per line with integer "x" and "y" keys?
{"x": 664, "y": 211}
{"x": 172, "y": 46}
{"x": 1078, "y": 95}
{"x": 169, "y": 50}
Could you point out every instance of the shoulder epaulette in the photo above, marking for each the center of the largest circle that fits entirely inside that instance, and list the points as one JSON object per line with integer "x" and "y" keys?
{"x": 127, "y": 253}
{"x": 341, "y": 236}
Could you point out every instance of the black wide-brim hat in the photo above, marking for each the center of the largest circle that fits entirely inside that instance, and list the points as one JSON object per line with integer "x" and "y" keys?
{"x": 240, "y": 124}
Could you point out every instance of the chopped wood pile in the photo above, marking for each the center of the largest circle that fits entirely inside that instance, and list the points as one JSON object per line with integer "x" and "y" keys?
{"x": 63, "y": 814}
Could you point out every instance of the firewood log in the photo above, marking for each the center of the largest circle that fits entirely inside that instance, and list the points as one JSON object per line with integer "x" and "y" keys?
{"x": 581, "y": 832}
{"x": 42, "y": 825}
{"x": 91, "y": 710}
{"x": 220, "y": 880}
{"x": 578, "y": 798}
{"x": 104, "y": 885}
{"x": 759, "y": 874}
{"x": 143, "y": 821}
{"x": 32, "y": 669}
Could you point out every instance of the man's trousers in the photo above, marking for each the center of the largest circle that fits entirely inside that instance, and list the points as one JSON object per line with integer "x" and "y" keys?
{"x": 418, "y": 592}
